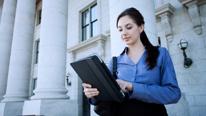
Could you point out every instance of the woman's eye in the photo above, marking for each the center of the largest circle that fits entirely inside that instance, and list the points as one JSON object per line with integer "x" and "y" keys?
{"x": 119, "y": 30}
{"x": 129, "y": 27}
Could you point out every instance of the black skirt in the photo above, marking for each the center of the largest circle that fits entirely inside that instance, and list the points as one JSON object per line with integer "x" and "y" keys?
{"x": 131, "y": 108}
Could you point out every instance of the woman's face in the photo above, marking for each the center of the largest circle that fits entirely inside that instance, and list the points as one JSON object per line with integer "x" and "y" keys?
{"x": 129, "y": 30}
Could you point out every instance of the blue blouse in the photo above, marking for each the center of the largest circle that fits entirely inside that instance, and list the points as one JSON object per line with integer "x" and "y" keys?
{"x": 158, "y": 85}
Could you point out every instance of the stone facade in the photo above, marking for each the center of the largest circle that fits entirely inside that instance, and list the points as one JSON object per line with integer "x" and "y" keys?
{"x": 39, "y": 39}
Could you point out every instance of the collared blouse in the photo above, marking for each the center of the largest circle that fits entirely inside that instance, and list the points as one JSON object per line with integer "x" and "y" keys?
{"x": 158, "y": 85}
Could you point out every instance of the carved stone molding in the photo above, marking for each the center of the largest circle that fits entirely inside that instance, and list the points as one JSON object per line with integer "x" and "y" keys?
{"x": 199, "y": 2}
{"x": 193, "y": 11}
{"x": 164, "y": 13}
{"x": 100, "y": 48}
{"x": 159, "y": 3}
{"x": 97, "y": 42}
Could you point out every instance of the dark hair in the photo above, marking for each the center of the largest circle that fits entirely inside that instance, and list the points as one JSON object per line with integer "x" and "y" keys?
{"x": 152, "y": 51}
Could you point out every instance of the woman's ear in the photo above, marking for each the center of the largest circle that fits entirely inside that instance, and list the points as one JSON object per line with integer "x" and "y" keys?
{"x": 141, "y": 28}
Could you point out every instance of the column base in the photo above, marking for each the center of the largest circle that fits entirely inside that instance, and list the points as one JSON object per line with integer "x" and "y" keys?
{"x": 1, "y": 98}
{"x": 56, "y": 107}
{"x": 50, "y": 94}
{"x": 2, "y": 105}
{"x": 11, "y": 108}
{"x": 8, "y": 98}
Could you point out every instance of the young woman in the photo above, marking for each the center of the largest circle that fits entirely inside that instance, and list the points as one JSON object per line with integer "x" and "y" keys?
{"x": 145, "y": 71}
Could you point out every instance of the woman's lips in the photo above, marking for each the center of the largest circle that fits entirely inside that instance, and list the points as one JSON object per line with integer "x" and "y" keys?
{"x": 126, "y": 38}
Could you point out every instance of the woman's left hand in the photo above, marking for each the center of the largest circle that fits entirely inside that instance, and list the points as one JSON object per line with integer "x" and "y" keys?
{"x": 125, "y": 85}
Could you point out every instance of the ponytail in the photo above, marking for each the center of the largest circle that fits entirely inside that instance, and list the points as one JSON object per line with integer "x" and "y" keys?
{"x": 152, "y": 51}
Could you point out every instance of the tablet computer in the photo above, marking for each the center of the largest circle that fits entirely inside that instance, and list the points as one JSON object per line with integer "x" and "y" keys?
{"x": 93, "y": 70}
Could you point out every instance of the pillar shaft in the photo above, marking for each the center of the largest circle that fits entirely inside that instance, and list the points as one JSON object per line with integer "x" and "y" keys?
{"x": 21, "y": 52}
{"x": 6, "y": 34}
{"x": 52, "y": 51}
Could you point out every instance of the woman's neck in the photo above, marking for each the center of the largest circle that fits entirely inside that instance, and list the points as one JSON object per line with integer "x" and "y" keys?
{"x": 135, "y": 51}
{"x": 136, "y": 48}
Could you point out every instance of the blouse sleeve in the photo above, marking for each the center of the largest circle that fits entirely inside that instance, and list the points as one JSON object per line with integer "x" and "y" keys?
{"x": 92, "y": 101}
{"x": 164, "y": 93}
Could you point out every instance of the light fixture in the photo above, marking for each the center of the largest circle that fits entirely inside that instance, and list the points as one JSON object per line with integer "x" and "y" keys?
{"x": 183, "y": 45}
{"x": 68, "y": 81}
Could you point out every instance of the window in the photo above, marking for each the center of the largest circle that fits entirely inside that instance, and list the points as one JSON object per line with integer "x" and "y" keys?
{"x": 39, "y": 17}
{"x": 34, "y": 85}
{"x": 36, "y": 51}
{"x": 90, "y": 23}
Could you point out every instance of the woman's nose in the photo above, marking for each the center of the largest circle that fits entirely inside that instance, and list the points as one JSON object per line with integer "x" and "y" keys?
{"x": 124, "y": 35}
{"x": 124, "y": 32}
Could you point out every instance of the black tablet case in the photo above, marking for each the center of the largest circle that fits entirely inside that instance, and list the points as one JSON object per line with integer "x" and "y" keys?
{"x": 93, "y": 70}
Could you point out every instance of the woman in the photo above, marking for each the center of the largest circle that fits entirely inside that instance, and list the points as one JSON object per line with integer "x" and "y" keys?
{"x": 145, "y": 71}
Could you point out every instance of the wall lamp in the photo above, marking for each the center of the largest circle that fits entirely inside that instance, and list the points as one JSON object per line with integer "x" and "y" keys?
{"x": 68, "y": 81}
{"x": 183, "y": 46}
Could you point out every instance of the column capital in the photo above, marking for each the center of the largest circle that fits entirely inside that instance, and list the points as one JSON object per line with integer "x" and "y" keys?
{"x": 164, "y": 13}
{"x": 185, "y": 2}
{"x": 192, "y": 7}
{"x": 166, "y": 9}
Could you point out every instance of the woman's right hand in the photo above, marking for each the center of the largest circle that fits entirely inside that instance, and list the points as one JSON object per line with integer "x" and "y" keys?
{"x": 89, "y": 91}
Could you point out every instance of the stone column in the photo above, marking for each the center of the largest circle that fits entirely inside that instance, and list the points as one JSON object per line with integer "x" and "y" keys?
{"x": 21, "y": 52}
{"x": 148, "y": 14}
{"x": 6, "y": 34}
{"x": 52, "y": 51}
{"x": 1, "y": 6}
{"x": 159, "y": 3}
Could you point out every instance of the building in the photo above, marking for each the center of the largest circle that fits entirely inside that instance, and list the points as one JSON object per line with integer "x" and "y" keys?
{"x": 39, "y": 39}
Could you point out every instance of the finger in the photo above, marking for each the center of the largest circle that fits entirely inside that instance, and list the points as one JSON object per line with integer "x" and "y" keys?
{"x": 122, "y": 84}
{"x": 119, "y": 81}
{"x": 95, "y": 94}
{"x": 91, "y": 94}
{"x": 86, "y": 85}
{"x": 125, "y": 88}
{"x": 88, "y": 90}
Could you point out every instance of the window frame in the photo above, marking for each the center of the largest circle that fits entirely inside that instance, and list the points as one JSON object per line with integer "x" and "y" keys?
{"x": 90, "y": 23}
{"x": 39, "y": 17}
{"x": 37, "y": 43}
